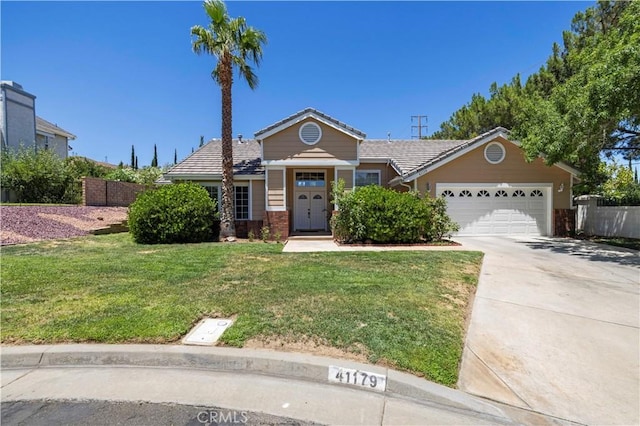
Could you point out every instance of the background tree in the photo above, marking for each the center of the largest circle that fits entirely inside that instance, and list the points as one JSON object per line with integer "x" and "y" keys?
{"x": 154, "y": 160}
{"x": 133, "y": 157}
{"x": 175, "y": 156}
{"x": 201, "y": 141}
{"x": 583, "y": 103}
{"x": 235, "y": 45}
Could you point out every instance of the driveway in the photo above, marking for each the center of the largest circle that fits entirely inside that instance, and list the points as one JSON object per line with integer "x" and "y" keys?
{"x": 555, "y": 329}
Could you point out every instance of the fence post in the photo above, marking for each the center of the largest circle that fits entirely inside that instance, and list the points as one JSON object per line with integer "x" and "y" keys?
{"x": 586, "y": 215}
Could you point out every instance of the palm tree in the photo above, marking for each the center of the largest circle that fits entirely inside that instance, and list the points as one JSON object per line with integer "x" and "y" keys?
{"x": 235, "y": 45}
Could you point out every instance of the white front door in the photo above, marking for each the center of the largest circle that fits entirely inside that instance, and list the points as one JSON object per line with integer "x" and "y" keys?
{"x": 310, "y": 211}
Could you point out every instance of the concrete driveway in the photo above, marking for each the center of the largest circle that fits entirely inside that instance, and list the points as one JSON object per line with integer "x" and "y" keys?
{"x": 555, "y": 329}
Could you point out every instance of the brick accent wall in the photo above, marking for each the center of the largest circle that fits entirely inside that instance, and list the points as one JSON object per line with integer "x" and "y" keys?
{"x": 244, "y": 226}
{"x": 100, "y": 192}
{"x": 564, "y": 222}
{"x": 278, "y": 222}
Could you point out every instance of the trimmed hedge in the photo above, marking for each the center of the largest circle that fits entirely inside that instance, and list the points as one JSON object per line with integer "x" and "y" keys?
{"x": 386, "y": 216}
{"x": 177, "y": 213}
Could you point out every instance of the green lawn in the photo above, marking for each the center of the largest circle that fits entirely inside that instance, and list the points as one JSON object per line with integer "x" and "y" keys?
{"x": 403, "y": 309}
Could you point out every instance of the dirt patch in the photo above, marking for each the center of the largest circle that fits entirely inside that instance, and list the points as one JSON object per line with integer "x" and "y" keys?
{"x": 14, "y": 238}
{"x": 307, "y": 346}
{"x": 23, "y": 224}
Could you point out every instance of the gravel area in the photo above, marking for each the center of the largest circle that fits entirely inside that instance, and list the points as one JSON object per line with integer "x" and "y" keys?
{"x": 24, "y": 224}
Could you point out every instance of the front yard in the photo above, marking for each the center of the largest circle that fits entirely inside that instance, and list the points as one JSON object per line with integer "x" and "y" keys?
{"x": 403, "y": 309}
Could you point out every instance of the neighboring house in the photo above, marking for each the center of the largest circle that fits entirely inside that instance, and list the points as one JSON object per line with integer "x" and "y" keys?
{"x": 54, "y": 138}
{"x": 283, "y": 176}
{"x": 19, "y": 125}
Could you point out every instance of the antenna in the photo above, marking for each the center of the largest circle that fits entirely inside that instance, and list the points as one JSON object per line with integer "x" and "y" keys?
{"x": 420, "y": 126}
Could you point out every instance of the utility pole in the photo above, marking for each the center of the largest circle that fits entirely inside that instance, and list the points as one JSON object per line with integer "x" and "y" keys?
{"x": 419, "y": 126}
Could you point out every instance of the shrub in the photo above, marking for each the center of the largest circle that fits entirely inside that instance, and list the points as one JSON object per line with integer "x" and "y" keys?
{"x": 37, "y": 176}
{"x": 386, "y": 216}
{"x": 179, "y": 213}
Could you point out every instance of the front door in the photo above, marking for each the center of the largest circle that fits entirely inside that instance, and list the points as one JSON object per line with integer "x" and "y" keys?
{"x": 311, "y": 208}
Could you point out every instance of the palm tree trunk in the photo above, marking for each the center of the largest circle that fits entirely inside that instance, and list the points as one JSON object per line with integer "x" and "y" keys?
{"x": 227, "y": 219}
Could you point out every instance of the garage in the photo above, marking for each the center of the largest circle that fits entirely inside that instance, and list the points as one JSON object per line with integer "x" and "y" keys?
{"x": 499, "y": 209}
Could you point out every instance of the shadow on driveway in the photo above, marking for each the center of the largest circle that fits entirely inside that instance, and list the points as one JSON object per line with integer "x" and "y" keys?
{"x": 587, "y": 250}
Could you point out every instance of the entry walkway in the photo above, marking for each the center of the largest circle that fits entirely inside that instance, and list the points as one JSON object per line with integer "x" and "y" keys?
{"x": 317, "y": 244}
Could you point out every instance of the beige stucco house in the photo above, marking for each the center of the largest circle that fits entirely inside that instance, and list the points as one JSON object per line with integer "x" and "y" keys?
{"x": 283, "y": 176}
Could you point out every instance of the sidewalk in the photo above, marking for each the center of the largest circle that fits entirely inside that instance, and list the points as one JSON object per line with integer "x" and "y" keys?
{"x": 282, "y": 384}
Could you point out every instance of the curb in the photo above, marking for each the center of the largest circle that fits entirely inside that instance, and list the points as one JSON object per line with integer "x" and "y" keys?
{"x": 270, "y": 363}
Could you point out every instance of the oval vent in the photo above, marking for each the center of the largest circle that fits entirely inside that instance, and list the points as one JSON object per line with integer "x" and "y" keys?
{"x": 310, "y": 133}
{"x": 494, "y": 153}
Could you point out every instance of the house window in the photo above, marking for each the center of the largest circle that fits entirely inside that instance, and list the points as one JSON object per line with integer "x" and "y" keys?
{"x": 214, "y": 193}
{"x": 367, "y": 177}
{"x": 242, "y": 202}
{"x": 310, "y": 179}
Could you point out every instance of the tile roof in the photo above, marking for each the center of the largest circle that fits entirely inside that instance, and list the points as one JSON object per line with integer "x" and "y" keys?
{"x": 43, "y": 125}
{"x": 405, "y": 156}
{"x": 207, "y": 160}
{"x": 313, "y": 111}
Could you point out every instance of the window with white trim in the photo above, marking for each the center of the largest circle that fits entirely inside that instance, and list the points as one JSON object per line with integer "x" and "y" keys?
{"x": 367, "y": 177}
{"x": 241, "y": 199}
{"x": 242, "y": 202}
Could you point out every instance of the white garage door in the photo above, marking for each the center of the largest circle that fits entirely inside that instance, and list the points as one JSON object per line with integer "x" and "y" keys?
{"x": 498, "y": 210}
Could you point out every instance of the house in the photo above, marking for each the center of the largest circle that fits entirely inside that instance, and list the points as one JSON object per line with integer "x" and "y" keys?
{"x": 283, "y": 176}
{"x": 19, "y": 125}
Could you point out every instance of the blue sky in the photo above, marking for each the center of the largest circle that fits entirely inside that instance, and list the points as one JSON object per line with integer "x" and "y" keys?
{"x": 123, "y": 73}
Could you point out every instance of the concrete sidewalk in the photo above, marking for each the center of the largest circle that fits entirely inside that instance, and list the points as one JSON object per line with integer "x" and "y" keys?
{"x": 317, "y": 244}
{"x": 282, "y": 384}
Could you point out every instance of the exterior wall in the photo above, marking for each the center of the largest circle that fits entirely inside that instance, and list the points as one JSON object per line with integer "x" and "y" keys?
{"x": 275, "y": 185}
{"x": 473, "y": 167}
{"x": 607, "y": 221}
{"x": 257, "y": 200}
{"x": 57, "y": 144}
{"x": 18, "y": 118}
{"x": 278, "y": 222}
{"x": 386, "y": 172}
{"x": 347, "y": 176}
{"x": 100, "y": 192}
{"x": 286, "y": 145}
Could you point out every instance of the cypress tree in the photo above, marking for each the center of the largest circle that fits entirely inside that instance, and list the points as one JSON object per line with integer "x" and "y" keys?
{"x": 154, "y": 162}
{"x": 135, "y": 164}
{"x": 133, "y": 157}
{"x": 175, "y": 156}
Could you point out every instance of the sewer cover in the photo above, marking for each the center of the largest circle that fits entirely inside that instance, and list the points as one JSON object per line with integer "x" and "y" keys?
{"x": 207, "y": 332}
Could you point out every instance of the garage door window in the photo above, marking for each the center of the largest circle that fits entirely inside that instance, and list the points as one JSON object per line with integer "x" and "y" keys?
{"x": 518, "y": 193}
{"x": 501, "y": 193}
{"x": 447, "y": 193}
{"x": 536, "y": 193}
{"x": 483, "y": 193}
{"x": 465, "y": 193}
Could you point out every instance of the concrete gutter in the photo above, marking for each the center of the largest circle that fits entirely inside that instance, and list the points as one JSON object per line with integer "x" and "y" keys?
{"x": 244, "y": 361}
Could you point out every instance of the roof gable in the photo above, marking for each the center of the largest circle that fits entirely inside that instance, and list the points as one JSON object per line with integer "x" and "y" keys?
{"x": 44, "y": 127}
{"x": 303, "y": 115}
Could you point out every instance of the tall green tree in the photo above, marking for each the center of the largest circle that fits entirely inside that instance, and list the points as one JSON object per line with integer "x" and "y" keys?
{"x": 154, "y": 160}
{"x": 597, "y": 108}
{"x": 236, "y": 46}
{"x": 175, "y": 156}
{"x": 133, "y": 157}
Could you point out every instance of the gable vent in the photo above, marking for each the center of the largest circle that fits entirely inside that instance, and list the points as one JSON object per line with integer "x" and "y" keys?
{"x": 310, "y": 133}
{"x": 494, "y": 153}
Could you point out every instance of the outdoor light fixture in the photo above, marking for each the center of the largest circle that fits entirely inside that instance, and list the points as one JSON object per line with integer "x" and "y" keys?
{"x": 561, "y": 188}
